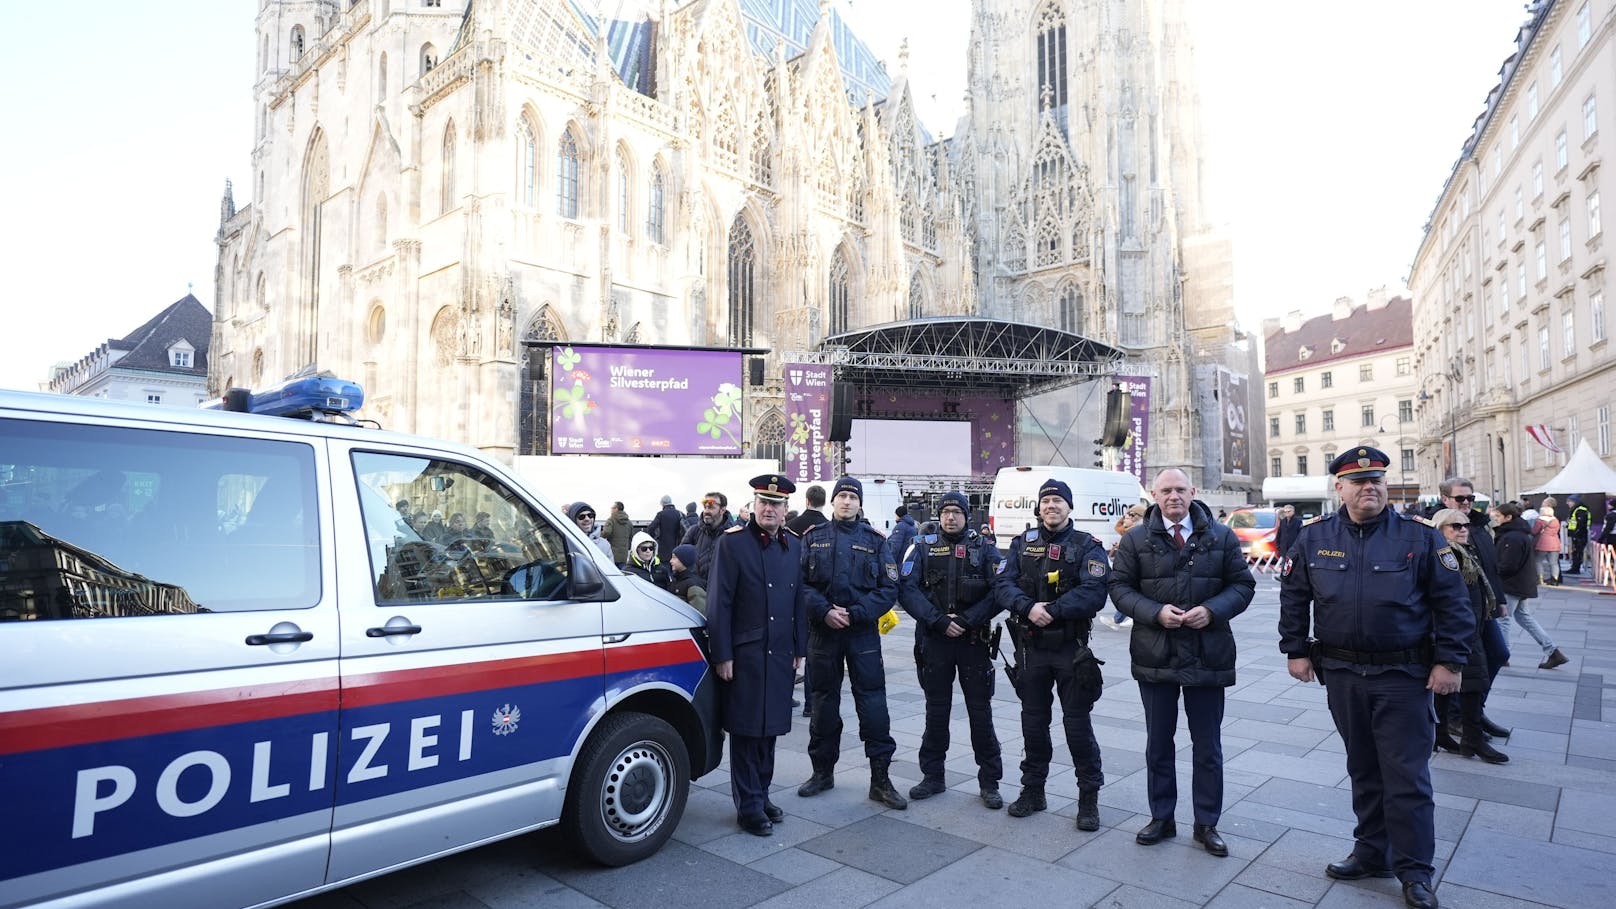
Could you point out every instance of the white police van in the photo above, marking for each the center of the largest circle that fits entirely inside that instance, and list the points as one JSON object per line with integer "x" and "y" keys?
{"x": 235, "y": 670}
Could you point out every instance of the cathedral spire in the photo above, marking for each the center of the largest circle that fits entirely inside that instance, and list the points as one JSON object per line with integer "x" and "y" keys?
{"x": 227, "y": 204}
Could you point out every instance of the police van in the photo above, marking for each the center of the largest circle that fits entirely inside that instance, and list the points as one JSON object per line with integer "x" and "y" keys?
{"x": 237, "y": 668}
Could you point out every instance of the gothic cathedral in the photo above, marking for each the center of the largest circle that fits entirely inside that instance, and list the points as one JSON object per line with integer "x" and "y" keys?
{"x": 437, "y": 181}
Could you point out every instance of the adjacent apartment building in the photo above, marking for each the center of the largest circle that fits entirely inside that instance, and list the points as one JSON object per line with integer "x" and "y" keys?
{"x": 164, "y": 361}
{"x": 1510, "y": 280}
{"x": 1339, "y": 380}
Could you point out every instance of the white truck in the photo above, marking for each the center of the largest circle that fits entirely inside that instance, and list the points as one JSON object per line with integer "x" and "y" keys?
{"x": 1099, "y": 497}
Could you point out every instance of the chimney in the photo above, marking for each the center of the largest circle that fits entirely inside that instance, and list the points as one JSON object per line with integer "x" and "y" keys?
{"x": 1342, "y": 309}
{"x": 1378, "y": 298}
{"x": 1292, "y": 321}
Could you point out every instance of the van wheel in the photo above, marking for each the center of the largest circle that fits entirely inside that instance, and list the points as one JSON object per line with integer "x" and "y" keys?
{"x": 628, "y": 792}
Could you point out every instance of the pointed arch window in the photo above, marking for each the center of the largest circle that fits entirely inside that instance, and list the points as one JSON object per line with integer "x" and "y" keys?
{"x": 381, "y": 222}
{"x": 770, "y": 441}
{"x": 1052, "y": 61}
{"x": 1048, "y": 249}
{"x": 917, "y": 297}
{"x": 297, "y": 42}
{"x": 448, "y": 199}
{"x": 742, "y": 283}
{"x": 533, "y": 406}
{"x": 527, "y": 164}
{"x": 381, "y": 79}
{"x": 762, "y": 159}
{"x": 1069, "y": 310}
{"x": 623, "y": 183}
{"x": 567, "y": 176}
{"x": 841, "y": 293}
{"x": 429, "y": 57}
{"x": 656, "y": 203}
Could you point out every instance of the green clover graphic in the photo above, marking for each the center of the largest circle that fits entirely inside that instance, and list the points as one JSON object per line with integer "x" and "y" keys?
{"x": 570, "y": 402}
{"x": 566, "y": 358}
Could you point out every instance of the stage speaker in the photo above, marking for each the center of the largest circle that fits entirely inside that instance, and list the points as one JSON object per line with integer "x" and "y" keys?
{"x": 755, "y": 366}
{"x": 1115, "y": 433}
{"x": 841, "y": 412}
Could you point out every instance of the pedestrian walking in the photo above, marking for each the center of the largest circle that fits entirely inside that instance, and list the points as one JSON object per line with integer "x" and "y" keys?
{"x": 1182, "y": 578}
{"x": 1053, "y": 585}
{"x": 946, "y": 585}
{"x": 848, "y": 584}
{"x": 1521, "y": 576}
{"x": 758, "y": 631}
{"x": 1372, "y": 603}
{"x": 1546, "y": 543}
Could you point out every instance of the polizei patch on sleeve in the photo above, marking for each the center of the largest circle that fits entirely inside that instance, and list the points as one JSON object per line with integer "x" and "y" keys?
{"x": 1096, "y": 568}
{"x": 1448, "y": 559}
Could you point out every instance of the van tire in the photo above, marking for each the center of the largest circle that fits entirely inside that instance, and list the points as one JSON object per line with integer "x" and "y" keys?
{"x": 628, "y": 790}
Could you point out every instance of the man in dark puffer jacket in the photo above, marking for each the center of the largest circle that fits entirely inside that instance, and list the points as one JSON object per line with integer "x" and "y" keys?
{"x": 1181, "y": 576}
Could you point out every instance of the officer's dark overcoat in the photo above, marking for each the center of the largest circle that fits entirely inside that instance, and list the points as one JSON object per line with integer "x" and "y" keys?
{"x": 756, "y": 617}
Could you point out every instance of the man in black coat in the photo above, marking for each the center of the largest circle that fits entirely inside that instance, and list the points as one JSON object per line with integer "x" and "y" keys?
{"x": 758, "y": 626}
{"x": 1182, "y": 578}
{"x": 1287, "y": 526}
{"x": 811, "y": 515}
{"x": 715, "y": 519}
{"x": 665, "y": 529}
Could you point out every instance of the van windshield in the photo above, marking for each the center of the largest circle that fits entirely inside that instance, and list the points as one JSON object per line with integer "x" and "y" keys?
{"x": 1245, "y": 520}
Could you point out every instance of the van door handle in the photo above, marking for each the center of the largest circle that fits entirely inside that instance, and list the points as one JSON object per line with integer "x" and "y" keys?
{"x": 279, "y": 637}
{"x": 388, "y": 630}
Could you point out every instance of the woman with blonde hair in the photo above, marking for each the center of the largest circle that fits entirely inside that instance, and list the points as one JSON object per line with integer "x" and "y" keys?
{"x": 1546, "y": 543}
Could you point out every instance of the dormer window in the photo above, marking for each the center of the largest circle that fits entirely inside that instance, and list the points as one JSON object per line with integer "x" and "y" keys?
{"x": 1305, "y": 353}
{"x": 1337, "y": 345}
{"x": 181, "y": 355}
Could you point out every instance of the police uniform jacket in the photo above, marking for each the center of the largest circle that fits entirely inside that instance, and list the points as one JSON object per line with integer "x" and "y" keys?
{"x": 1079, "y": 563}
{"x": 1149, "y": 570}
{"x": 845, "y": 563}
{"x": 1390, "y": 585}
{"x": 949, "y": 578}
{"x": 1515, "y": 558}
{"x": 755, "y": 618}
{"x": 1577, "y": 525}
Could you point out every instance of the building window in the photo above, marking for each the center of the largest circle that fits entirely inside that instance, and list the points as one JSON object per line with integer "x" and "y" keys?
{"x": 742, "y": 292}
{"x": 567, "y": 176}
{"x": 1326, "y": 379}
{"x": 297, "y": 48}
{"x": 1273, "y": 389}
{"x": 1329, "y": 421}
{"x": 429, "y": 58}
{"x": 1585, "y": 26}
{"x": 1565, "y": 239}
{"x": 1543, "y": 347}
{"x": 1568, "y": 331}
{"x": 1520, "y": 280}
{"x": 1366, "y": 372}
{"x": 654, "y": 210}
{"x": 527, "y": 164}
{"x": 1604, "y": 431}
{"x": 179, "y": 359}
{"x": 623, "y": 177}
{"x": 1071, "y": 310}
{"x": 1405, "y": 411}
{"x": 1301, "y": 464}
{"x": 1594, "y": 227}
{"x": 1404, "y": 366}
{"x": 1531, "y": 102}
{"x": 154, "y": 398}
{"x": 1556, "y": 72}
{"x": 1407, "y": 460}
{"x": 1273, "y": 428}
{"x": 1298, "y": 384}
{"x": 1540, "y": 254}
{"x": 1514, "y": 133}
{"x": 1596, "y": 314}
{"x": 1052, "y": 61}
{"x": 1537, "y": 179}
{"x": 1590, "y": 118}
{"x": 1368, "y": 413}
{"x": 840, "y": 293}
{"x": 448, "y": 194}
{"x": 1301, "y": 424}
{"x": 1561, "y": 155}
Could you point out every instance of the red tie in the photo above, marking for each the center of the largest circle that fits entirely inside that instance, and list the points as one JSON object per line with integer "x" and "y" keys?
{"x": 1178, "y": 535}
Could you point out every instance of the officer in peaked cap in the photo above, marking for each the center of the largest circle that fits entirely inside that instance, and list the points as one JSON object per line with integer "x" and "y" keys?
{"x": 1372, "y": 604}
{"x": 758, "y": 625}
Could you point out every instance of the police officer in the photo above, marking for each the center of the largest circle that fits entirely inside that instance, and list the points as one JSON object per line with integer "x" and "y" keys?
{"x": 946, "y": 584}
{"x": 849, "y": 581}
{"x": 1389, "y": 617}
{"x": 1053, "y": 583}
{"x": 1577, "y": 531}
{"x": 759, "y": 631}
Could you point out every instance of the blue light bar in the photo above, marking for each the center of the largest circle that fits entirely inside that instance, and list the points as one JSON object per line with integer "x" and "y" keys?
{"x": 313, "y": 394}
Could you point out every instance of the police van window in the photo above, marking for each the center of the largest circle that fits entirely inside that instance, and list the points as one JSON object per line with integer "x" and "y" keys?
{"x": 441, "y": 531}
{"x": 99, "y": 521}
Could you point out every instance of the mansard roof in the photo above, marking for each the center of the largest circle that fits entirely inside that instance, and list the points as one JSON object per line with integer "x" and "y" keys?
{"x": 186, "y": 319}
{"x": 1327, "y": 339}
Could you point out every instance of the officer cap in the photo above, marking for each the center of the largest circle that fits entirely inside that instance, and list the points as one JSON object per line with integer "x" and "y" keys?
{"x": 771, "y": 487}
{"x": 1054, "y": 487}
{"x": 1573, "y": 499}
{"x": 1360, "y": 462}
{"x": 955, "y": 500}
{"x": 848, "y": 484}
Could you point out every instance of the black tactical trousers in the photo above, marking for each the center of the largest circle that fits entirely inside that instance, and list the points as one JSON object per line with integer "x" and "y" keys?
{"x": 938, "y": 659}
{"x": 1045, "y": 674}
{"x": 829, "y": 652}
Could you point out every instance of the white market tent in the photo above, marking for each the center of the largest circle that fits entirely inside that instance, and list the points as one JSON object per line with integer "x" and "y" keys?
{"x": 1585, "y": 472}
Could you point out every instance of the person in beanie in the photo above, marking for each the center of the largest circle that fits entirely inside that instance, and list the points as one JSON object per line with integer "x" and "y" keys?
{"x": 947, "y": 586}
{"x": 903, "y": 531}
{"x": 643, "y": 561}
{"x": 686, "y": 585}
{"x": 849, "y": 581}
{"x": 584, "y": 517}
{"x": 1053, "y": 585}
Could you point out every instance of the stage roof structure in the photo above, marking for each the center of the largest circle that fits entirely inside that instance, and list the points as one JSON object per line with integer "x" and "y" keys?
{"x": 988, "y": 354}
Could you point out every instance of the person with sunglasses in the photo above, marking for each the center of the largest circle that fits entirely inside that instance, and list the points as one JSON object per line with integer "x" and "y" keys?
{"x": 1459, "y": 493}
{"x": 643, "y": 561}
{"x": 1458, "y": 527}
{"x": 584, "y": 516}
{"x": 715, "y": 519}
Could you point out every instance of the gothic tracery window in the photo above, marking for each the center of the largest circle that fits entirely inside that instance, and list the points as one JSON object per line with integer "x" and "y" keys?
{"x": 297, "y": 42}
{"x": 1051, "y": 23}
{"x": 1069, "y": 310}
{"x": 742, "y": 290}
{"x": 624, "y": 181}
{"x": 567, "y": 176}
{"x": 1048, "y": 248}
{"x": 917, "y": 297}
{"x": 770, "y": 440}
{"x": 533, "y": 406}
{"x": 527, "y": 163}
{"x": 841, "y": 293}
{"x": 448, "y": 199}
{"x": 656, "y": 202}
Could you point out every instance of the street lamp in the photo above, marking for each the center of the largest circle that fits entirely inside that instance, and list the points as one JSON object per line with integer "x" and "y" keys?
{"x": 1402, "y": 465}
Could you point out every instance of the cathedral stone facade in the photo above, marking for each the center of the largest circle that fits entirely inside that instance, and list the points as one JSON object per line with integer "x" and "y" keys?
{"x": 438, "y": 181}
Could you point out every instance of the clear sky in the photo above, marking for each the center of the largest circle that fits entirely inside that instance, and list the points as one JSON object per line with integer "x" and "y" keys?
{"x": 1332, "y": 128}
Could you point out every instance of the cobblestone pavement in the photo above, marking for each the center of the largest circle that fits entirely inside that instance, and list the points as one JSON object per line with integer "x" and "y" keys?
{"x": 1533, "y": 832}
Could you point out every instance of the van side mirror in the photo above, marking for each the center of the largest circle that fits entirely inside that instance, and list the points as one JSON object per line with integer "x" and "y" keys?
{"x": 586, "y": 581}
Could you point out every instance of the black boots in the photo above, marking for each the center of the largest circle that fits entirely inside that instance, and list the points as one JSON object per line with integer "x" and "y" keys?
{"x": 819, "y": 782}
{"x": 1493, "y": 729}
{"x": 1476, "y": 746}
{"x": 881, "y": 786}
{"x": 1088, "y": 809}
{"x": 927, "y": 788}
{"x": 1445, "y": 740}
{"x": 1027, "y": 802}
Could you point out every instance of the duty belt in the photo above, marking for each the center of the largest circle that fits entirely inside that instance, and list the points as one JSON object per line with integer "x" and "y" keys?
{"x": 1378, "y": 657}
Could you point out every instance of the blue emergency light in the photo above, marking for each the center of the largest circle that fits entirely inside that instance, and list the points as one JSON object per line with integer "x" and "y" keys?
{"x": 307, "y": 396}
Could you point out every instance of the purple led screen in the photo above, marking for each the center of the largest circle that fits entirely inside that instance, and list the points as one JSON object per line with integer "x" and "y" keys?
{"x": 808, "y": 452}
{"x": 615, "y": 400}
{"x": 992, "y": 419}
{"x": 1137, "y": 389}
